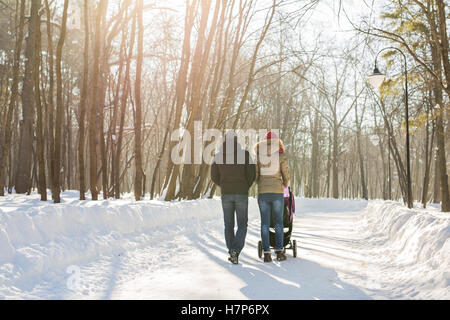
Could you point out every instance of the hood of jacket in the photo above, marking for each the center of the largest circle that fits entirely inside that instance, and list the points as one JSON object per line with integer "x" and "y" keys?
{"x": 232, "y": 154}
{"x": 270, "y": 146}
{"x": 234, "y": 149}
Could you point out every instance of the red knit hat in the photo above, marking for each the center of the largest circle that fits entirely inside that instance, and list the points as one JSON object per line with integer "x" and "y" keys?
{"x": 271, "y": 135}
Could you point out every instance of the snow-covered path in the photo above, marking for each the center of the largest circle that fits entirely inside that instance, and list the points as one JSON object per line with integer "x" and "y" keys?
{"x": 348, "y": 249}
{"x": 197, "y": 268}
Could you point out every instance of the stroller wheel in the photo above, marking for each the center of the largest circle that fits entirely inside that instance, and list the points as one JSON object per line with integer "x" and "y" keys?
{"x": 294, "y": 248}
{"x": 260, "y": 250}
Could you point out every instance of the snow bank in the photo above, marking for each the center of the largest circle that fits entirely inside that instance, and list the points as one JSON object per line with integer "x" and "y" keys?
{"x": 37, "y": 236}
{"x": 417, "y": 239}
{"x": 7, "y": 251}
{"x": 416, "y": 235}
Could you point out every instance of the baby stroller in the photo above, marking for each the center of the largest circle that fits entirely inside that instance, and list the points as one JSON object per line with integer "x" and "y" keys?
{"x": 288, "y": 222}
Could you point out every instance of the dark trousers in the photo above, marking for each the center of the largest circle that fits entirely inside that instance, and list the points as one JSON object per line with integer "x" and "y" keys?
{"x": 235, "y": 205}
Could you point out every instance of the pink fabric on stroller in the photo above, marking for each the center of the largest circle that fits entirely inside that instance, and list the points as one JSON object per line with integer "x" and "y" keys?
{"x": 289, "y": 202}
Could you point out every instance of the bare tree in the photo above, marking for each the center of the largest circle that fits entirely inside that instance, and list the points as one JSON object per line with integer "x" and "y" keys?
{"x": 23, "y": 177}
{"x": 59, "y": 108}
{"x": 13, "y": 98}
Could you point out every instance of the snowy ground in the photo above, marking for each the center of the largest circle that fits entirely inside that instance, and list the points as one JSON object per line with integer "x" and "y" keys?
{"x": 120, "y": 249}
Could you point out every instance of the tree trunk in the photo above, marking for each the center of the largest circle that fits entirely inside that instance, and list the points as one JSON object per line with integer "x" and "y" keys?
{"x": 442, "y": 161}
{"x": 161, "y": 154}
{"x": 197, "y": 80}
{"x": 120, "y": 85}
{"x": 437, "y": 179}
{"x": 83, "y": 103}
{"x": 5, "y": 151}
{"x": 101, "y": 93}
{"x": 181, "y": 86}
{"x": 42, "y": 186}
{"x": 360, "y": 155}
{"x": 313, "y": 187}
{"x": 95, "y": 101}
{"x": 69, "y": 149}
{"x": 23, "y": 177}
{"x": 50, "y": 101}
{"x": 138, "y": 113}
{"x": 329, "y": 160}
{"x": 59, "y": 108}
{"x": 439, "y": 110}
{"x": 428, "y": 155}
{"x": 123, "y": 105}
{"x": 335, "y": 177}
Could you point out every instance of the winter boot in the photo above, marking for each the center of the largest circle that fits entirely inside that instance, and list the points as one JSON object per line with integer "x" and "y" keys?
{"x": 267, "y": 257}
{"x": 280, "y": 256}
{"x": 234, "y": 257}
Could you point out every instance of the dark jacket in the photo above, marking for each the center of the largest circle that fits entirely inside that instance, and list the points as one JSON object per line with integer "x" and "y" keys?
{"x": 236, "y": 175}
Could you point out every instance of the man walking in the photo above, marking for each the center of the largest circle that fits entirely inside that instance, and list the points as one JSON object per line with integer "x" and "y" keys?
{"x": 234, "y": 172}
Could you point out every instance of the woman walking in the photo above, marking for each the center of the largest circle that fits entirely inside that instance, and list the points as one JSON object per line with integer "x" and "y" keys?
{"x": 272, "y": 175}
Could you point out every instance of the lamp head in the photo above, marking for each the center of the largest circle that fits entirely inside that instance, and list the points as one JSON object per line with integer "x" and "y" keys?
{"x": 377, "y": 78}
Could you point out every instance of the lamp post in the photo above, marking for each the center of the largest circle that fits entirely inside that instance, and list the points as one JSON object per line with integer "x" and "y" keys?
{"x": 376, "y": 79}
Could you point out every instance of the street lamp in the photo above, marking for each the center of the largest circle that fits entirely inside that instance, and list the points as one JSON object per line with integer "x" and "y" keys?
{"x": 376, "y": 79}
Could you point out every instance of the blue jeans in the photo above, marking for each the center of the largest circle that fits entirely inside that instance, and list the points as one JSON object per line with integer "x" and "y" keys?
{"x": 235, "y": 204}
{"x": 271, "y": 203}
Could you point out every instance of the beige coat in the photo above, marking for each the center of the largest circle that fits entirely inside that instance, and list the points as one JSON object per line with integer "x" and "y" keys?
{"x": 272, "y": 170}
